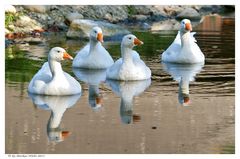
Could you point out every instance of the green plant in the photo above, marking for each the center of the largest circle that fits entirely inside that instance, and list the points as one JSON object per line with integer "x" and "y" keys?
{"x": 9, "y": 18}
{"x": 131, "y": 10}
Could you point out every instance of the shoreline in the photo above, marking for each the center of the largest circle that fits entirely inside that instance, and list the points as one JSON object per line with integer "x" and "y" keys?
{"x": 30, "y": 20}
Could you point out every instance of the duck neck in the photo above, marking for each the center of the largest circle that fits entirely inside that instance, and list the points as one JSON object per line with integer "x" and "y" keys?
{"x": 126, "y": 54}
{"x": 55, "y": 68}
{"x": 126, "y": 110}
{"x": 126, "y": 104}
{"x": 55, "y": 118}
{"x": 93, "y": 45}
{"x": 93, "y": 90}
{"x": 184, "y": 86}
{"x": 126, "y": 101}
{"x": 185, "y": 38}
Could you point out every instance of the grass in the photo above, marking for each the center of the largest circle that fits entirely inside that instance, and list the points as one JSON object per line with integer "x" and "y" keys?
{"x": 10, "y": 18}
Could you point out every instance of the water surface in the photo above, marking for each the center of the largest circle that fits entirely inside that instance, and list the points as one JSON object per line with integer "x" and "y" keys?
{"x": 180, "y": 110}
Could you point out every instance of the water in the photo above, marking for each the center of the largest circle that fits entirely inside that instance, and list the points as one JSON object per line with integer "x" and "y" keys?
{"x": 180, "y": 110}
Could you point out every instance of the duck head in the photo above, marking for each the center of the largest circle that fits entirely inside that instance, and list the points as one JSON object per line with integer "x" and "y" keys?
{"x": 129, "y": 41}
{"x": 186, "y": 25}
{"x": 57, "y": 135}
{"x": 58, "y": 54}
{"x": 96, "y": 34}
{"x": 184, "y": 99}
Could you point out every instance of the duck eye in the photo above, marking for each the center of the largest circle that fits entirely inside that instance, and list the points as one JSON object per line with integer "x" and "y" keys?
{"x": 95, "y": 31}
{"x": 130, "y": 38}
{"x": 58, "y": 51}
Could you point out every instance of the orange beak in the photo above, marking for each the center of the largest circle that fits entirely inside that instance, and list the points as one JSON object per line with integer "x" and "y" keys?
{"x": 186, "y": 100}
{"x": 98, "y": 100}
{"x": 67, "y": 56}
{"x": 100, "y": 37}
{"x": 188, "y": 26}
{"x": 65, "y": 134}
{"x": 137, "y": 42}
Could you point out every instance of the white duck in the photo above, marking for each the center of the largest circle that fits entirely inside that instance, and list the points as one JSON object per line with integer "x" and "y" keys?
{"x": 127, "y": 90}
{"x": 93, "y": 55}
{"x": 51, "y": 79}
{"x": 184, "y": 48}
{"x": 93, "y": 78}
{"x": 57, "y": 105}
{"x": 130, "y": 67}
{"x": 183, "y": 74}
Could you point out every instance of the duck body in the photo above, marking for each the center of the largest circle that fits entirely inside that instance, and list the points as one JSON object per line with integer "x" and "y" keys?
{"x": 93, "y": 58}
{"x": 52, "y": 80}
{"x": 130, "y": 67}
{"x": 93, "y": 55}
{"x": 184, "y": 48}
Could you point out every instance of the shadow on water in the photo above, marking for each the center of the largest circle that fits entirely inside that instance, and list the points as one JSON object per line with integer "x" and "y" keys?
{"x": 93, "y": 78}
{"x": 117, "y": 107}
{"x": 127, "y": 90}
{"x": 183, "y": 74}
{"x": 57, "y": 105}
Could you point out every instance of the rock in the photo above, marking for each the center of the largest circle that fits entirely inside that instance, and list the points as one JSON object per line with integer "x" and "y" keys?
{"x": 37, "y": 8}
{"x": 23, "y": 21}
{"x": 72, "y": 16}
{"x": 25, "y": 24}
{"x": 10, "y": 9}
{"x": 11, "y": 27}
{"x": 6, "y": 31}
{"x": 210, "y": 9}
{"x": 108, "y": 17}
{"x": 141, "y": 9}
{"x": 145, "y": 26}
{"x": 153, "y": 12}
{"x": 172, "y": 10}
{"x": 32, "y": 40}
{"x": 59, "y": 15}
{"x": 54, "y": 17}
{"x": 62, "y": 26}
{"x": 139, "y": 17}
{"x": 189, "y": 13}
{"x": 170, "y": 24}
{"x": 42, "y": 16}
{"x": 117, "y": 13}
{"x": 112, "y": 13}
{"x": 81, "y": 28}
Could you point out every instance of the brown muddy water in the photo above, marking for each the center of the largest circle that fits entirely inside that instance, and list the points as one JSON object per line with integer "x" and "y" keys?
{"x": 181, "y": 110}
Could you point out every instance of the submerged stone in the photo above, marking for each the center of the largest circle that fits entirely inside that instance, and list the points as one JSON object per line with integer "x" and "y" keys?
{"x": 80, "y": 28}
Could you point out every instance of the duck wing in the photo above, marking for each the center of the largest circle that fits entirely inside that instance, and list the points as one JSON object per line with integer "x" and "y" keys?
{"x": 81, "y": 55}
{"x": 40, "y": 79}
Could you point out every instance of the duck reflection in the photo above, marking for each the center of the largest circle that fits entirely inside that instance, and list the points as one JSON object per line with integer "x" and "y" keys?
{"x": 183, "y": 74}
{"x": 127, "y": 90}
{"x": 57, "y": 105}
{"x": 93, "y": 78}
